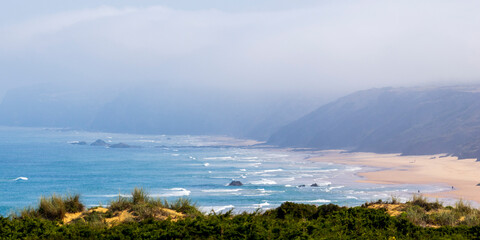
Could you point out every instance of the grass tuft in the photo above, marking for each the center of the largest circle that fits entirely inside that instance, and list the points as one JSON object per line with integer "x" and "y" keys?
{"x": 139, "y": 196}
{"x": 52, "y": 208}
{"x": 28, "y": 213}
{"x": 120, "y": 204}
{"x": 183, "y": 205}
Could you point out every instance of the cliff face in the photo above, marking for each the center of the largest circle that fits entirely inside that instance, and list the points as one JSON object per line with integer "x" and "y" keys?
{"x": 404, "y": 120}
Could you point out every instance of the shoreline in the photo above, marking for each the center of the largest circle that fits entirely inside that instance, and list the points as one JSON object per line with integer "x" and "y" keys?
{"x": 462, "y": 175}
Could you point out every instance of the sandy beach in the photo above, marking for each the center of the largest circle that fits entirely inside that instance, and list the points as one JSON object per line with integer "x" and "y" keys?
{"x": 463, "y": 174}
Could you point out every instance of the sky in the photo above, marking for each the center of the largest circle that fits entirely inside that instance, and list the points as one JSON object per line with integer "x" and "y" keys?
{"x": 300, "y": 47}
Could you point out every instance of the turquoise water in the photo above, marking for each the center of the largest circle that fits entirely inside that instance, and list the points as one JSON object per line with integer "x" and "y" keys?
{"x": 38, "y": 162}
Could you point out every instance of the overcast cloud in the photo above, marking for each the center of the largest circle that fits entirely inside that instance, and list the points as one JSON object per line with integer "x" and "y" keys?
{"x": 327, "y": 47}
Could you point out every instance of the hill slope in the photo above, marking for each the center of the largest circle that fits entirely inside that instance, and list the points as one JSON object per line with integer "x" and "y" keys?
{"x": 390, "y": 120}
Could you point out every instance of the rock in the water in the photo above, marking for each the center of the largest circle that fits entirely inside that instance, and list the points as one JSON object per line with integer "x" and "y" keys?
{"x": 100, "y": 143}
{"x": 303, "y": 185}
{"x": 79, "y": 143}
{"x": 235, "y": 183}
{"x": 314, "y": 185}
{"x": 120, "y": 145}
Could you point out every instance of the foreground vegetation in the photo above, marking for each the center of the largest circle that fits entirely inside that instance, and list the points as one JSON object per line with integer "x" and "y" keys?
{"x": 147, "y": 218}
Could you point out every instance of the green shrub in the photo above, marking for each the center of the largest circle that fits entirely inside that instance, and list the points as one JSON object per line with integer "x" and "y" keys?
{"x": 73, "y": 204}
{"x": 324, "y": 210}
{"x": 183, "y": 205}
{"x": 94, "y": 217}
{"x": 296, "y": 210}
{"x": 471, "y": 220}
{"x": 416, "y": 214}
{"x": 120, "y": 204}
{"x": 444, "y": 218}
{"x": 300, "y": 221}
{"x": 463, "y": 207}
{"x": 421, "y": 201}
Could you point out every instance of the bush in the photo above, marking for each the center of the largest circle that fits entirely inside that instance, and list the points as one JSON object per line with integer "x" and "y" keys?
{"x": 471, "y": 220}
{"x": 463, "y": 207}
{"x": 183, "y": 205}
{"x": 324, "y": 210}
{"x": 416, "y": 214}
{"x": 300, "y": 221}
{"x": 444, "y": 218}
{"x": 296, "y": 210}
{"x": 120, "y": 204}
{"x": 73, "y": 204}
{"x": 421, "y": 201}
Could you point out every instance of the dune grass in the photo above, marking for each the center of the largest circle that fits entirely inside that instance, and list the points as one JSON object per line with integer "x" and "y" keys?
{"x": 139, "y": 196}
{"x": 144, "y": 207}
{"x": 53, "y": 208}
{"x": 120, "y": 204}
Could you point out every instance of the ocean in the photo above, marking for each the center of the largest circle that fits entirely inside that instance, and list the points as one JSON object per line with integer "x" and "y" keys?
{"x": 38, "y": 161}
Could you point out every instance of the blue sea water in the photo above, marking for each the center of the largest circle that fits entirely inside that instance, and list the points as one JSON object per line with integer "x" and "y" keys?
{"x": 36, "y": 162}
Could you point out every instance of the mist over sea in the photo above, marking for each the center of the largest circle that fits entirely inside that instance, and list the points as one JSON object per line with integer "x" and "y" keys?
{"x": 36, "y": 162}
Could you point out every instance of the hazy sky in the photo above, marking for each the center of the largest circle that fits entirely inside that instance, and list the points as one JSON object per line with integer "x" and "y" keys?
{"x": 271, "y": 46}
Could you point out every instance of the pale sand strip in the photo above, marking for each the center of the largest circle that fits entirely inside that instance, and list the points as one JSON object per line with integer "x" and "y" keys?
{"x": 463, "y": 174}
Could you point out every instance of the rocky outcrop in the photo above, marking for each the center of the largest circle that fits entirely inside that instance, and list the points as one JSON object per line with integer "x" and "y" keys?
{"x": 235, "y": 183}
{"x": 100, "y": 143}
{"x": 120, "y": 145}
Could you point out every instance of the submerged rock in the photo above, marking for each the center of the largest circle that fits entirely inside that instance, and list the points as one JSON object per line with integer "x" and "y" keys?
{"x": 79, "y": 143}
{"x": 303, "y": 185}
{"x": 100, "y": 143}
{"x": 235, "y": 183}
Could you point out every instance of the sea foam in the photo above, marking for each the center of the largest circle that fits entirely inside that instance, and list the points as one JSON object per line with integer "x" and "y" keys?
{"x": 20, "y": 178}
{"x": 173, "y": 192}
{"x": 263, "y": 182}
{"x": 221, "y": 190}
{"x": 216, "y": 208}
